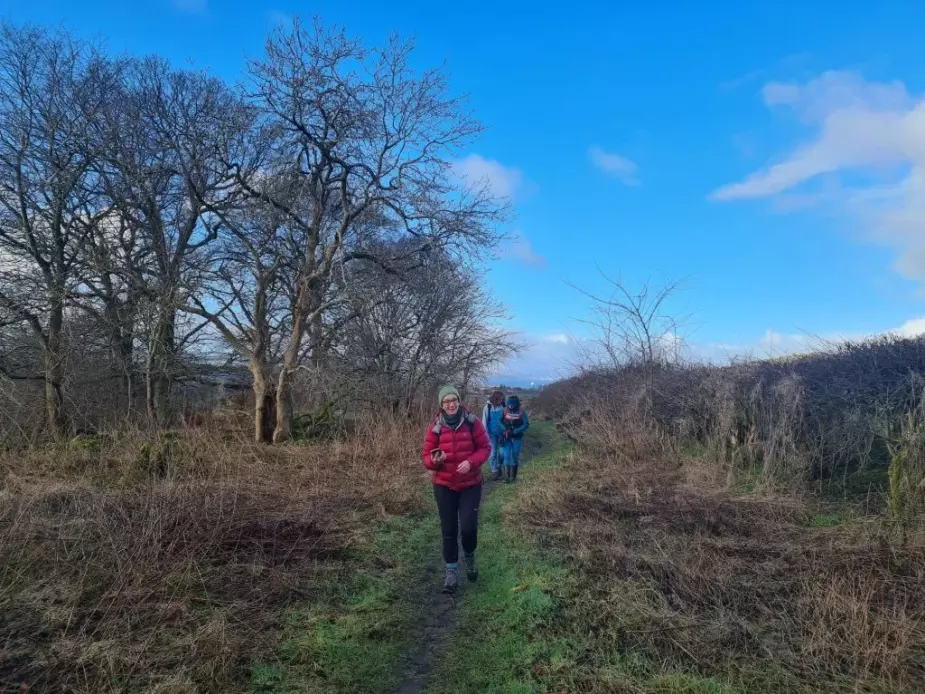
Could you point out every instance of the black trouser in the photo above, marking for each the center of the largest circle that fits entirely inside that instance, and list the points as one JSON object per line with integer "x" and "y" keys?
{"x": 459, "y": 512}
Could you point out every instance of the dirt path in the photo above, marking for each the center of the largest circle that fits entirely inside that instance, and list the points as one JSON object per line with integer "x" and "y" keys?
{"x": 438, "y": 618}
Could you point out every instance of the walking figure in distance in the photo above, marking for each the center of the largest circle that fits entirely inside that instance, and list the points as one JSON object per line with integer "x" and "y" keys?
{"x": 493, "y": 421}
{"x": 516, "y": 423}
{"x": 455, "y": 448}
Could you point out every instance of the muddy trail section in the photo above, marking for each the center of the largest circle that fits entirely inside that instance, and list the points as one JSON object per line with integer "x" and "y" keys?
{"x": 438, "y": 616}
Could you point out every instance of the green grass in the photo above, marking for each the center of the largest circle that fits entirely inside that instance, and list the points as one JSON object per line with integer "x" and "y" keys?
{"x": 830, "y": 520}
{"x": 691, "y": 448}
{"x": 516, "y": 632}
{"x": 357, "y": 634}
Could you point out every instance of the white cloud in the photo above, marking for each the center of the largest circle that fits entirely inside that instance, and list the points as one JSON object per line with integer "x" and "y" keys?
{"x": 615, "y": 165}
{"x": 913, "y": 327}
{"x": 778, "y": 344}
{"x": 520, "y": 248}
{"x": 791, "y": 62}
{"x": 547, "y": 357}
{"x": 191, "y": 6}
{"x": 504, "y": 182}
{"x": 872, "y": 132}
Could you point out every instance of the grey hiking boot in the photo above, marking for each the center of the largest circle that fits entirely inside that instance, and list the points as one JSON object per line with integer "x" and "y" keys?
{"x": 507, "y": 473}
{"x": 451, "y": 582}
{"x": 472, "y": 569}
{"x": 514, "y": 473}
{"x": 496, "y": 475}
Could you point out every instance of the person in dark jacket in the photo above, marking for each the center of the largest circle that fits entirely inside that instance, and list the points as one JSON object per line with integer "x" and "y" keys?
{"x": 455, "y": 449}
{"x": 516, "y": 423}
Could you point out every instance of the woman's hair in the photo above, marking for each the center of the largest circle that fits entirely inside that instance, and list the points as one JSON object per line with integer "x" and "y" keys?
{"x": 495, "y": 394}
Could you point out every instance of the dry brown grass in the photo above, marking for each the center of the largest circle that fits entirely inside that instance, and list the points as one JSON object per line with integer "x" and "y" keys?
{"x": 673, "y": 568}
{"x": 165, "y": 564}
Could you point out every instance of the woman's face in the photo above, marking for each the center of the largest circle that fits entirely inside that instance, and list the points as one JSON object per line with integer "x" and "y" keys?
{"x": 497, "y": 399}
{"x": 450, "y": 404}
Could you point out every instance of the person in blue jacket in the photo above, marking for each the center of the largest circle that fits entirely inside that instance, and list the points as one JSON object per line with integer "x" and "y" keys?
{"x": 493, "y": 419}
{"x": 516, "y": 423}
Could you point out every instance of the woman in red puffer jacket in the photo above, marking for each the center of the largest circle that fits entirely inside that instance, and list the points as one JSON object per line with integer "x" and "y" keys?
{"x": 455, "y": 448}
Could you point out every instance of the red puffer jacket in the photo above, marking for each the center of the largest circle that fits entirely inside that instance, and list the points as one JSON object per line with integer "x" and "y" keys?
{"x": 469, "y": 441}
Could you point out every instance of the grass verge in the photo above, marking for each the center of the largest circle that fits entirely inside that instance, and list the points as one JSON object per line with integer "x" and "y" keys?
{"x": 362, "y": 626}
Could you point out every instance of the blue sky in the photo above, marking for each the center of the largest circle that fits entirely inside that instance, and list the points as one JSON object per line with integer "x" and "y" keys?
{"x": 772, "y": 153}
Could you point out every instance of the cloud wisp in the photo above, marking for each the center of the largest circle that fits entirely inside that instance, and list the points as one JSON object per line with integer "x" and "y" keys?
{"x": 614, "y": 165}
{"x": 865, "y": 161}
{"x": 503, "y": 182}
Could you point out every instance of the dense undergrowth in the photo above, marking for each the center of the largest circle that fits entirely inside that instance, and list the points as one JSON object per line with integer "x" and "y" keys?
{"x": 140, "y": 563}
{"x": 677, "y": 580}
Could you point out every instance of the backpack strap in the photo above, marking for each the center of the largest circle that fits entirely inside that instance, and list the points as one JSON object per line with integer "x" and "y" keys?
{"x": 470, "y": 421}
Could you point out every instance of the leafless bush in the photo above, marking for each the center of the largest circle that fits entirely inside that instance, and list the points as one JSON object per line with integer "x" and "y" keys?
{"x": 820, "y": 415}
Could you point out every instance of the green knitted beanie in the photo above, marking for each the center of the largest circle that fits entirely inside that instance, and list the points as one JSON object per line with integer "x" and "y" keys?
{"x": 447, "y": 390}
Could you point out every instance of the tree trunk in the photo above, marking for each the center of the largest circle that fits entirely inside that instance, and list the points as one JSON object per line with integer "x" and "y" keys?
{"x": 160, "y": 368}
{"x": 121, "y": 348}
{"x": 283, "y": 430}
{"x": 55, "y": 415}
{"x": 264, "y": 403}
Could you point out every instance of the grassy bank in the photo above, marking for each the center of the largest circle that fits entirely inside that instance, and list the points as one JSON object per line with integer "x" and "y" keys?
{"x": 360, "y": 635}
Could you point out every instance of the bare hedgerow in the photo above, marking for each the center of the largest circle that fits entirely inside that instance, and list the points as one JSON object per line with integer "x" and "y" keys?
{"x": 823, "y": 415}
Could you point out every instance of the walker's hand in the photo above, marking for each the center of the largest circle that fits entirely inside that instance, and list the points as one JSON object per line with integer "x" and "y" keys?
{"x": 437, "y": 455}
{"x": 464, "y": 467}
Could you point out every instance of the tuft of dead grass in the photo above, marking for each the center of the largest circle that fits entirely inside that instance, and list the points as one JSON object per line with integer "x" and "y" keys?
{"x": 677, "y": 571}
{"x": 131, "y": 562}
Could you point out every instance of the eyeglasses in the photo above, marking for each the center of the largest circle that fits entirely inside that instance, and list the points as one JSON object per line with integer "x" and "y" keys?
{"x": 450, "y": 401}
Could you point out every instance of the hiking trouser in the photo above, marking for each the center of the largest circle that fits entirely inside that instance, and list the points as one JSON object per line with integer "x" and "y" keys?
{"x": 512, "y": 452}
{"x": 494, "y": 460}
{"x": 459, "y": 515}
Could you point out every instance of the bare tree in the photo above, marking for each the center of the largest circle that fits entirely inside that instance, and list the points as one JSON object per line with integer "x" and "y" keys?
{"x": 164, "y": 176}
{"x": 52, "y": 88}
{"x": 111, "y": 290}
{"x": 424, "y": 326}
{"x": 355, "y": 130}
{"x": 246, "y": 302}
{"x": 169, "y": 218}
{"x": 634, "y": 326}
